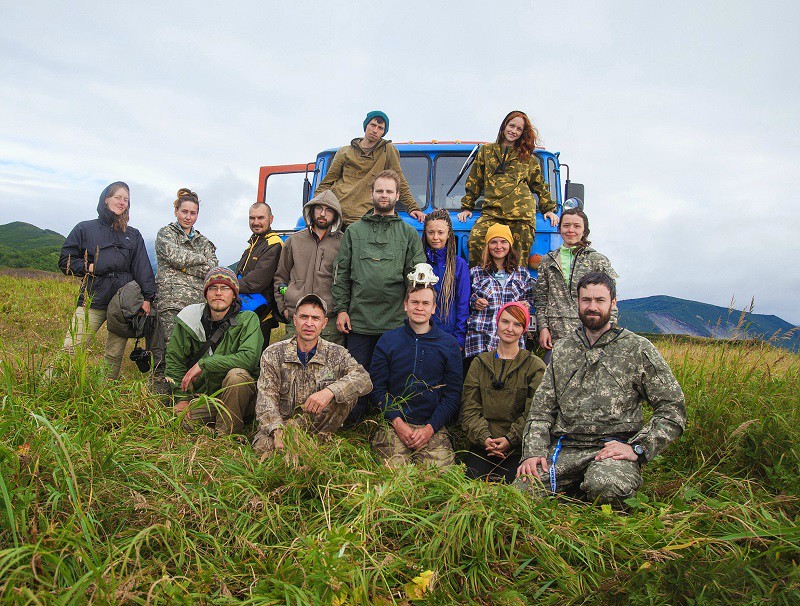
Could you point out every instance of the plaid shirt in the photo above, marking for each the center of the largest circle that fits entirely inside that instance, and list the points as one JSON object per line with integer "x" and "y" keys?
{"x": 481, "y": 326}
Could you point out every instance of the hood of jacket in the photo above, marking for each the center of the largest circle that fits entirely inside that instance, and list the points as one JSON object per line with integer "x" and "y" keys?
{"x": 608, "y": 337}
{"x": 378, "y": 146}
{"x": 328, "y": 199}
{"x": 103, "y": 212}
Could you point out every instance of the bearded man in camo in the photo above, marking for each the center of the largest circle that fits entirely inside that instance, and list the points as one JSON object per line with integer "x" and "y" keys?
{"x": 585, "y": 434}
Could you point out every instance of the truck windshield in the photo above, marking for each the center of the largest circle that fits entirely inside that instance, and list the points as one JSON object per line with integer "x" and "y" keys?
{"x": 447, "y": 168}
{"x": 415, "y": 170}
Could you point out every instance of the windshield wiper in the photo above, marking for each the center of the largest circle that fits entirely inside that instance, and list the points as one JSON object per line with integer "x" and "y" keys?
{"x": 467, "y": 163}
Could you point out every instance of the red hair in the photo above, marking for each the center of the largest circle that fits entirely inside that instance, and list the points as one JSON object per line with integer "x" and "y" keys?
{"x": 527, "y": 141}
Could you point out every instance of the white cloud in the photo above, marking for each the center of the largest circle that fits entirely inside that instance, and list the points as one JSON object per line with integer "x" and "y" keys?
{"x": 680, "y": 119}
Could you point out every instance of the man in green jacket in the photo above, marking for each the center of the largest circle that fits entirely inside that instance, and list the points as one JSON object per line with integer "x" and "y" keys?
{"x": 369, "y": 283}
{"x": 215, "y": 351}
{"x": 355, "y": 166}
{"x": 586, "y": 434}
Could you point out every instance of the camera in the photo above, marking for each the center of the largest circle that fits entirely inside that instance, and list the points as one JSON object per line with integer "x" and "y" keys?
{"x": 142, "y": 358}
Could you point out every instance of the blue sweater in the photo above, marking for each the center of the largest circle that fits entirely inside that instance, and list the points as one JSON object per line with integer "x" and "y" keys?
{"x": 456, "y": 322}
{"x": 417, "y": 377}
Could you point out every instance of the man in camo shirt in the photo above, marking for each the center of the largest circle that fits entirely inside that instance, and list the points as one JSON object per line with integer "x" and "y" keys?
{"x": 306, "y": 381}
{"x": 585, "y": 434}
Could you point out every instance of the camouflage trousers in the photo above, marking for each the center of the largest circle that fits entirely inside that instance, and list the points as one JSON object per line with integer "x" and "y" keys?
{"x": 236, "y": 401}
{"x": 324, "y": 424}
{"x": 578, "y": 474}
{"x": 522, "y": 231}
{"x": 390, "y": 448}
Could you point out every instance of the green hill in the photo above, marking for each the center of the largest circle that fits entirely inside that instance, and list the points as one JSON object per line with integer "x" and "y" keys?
{"x": 25, "y": 245}
{"x": 670, "y": 315}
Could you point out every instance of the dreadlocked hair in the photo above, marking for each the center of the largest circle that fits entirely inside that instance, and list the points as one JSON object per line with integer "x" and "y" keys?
{"x": 447, "y": 287}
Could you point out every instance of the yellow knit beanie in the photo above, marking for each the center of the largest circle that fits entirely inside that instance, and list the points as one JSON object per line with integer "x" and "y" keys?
{"x": 498, "y": 230}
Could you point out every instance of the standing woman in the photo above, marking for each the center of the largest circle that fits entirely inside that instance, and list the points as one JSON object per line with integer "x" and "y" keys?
{"x": 556, "y": 291}
{"x": 497, "y": 396}
{"x": 507, "y": 173}
{"x": 496, "y": 281}
{"x": 107, "y": 253}
{"x": 184, "y": 257}
{"x": 453, "y": 287}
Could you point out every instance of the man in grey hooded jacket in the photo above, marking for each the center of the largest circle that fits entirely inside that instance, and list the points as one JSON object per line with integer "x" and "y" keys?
{"x": 306, "y": 262}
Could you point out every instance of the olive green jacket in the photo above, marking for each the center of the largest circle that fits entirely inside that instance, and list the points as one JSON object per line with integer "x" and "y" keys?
{"x": 369, "y": 279}
{"x": 508, "y": 194}
{"x": 351, "y": 174}
{"x": 487, "y": 412}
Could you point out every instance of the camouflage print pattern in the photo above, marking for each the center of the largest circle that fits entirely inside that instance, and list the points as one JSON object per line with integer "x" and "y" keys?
{"x": 285, "y": 384}
{"x": 235, "y": 402}
{"x": 578, "y": 474}
{"x": 183, "y": 263}
{"x": 522, "y": 231}
{"x": 556, "y": 299}
{"x": 390, "y": 449}
{"x": 508, "y": 193}
{"x": 594, "y": 393}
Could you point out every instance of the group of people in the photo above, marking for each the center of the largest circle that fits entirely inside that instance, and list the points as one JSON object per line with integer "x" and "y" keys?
{"x": 379, "y": 320}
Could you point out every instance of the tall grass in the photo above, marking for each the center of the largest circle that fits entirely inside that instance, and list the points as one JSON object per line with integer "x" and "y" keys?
{"x": 104, "y": 499}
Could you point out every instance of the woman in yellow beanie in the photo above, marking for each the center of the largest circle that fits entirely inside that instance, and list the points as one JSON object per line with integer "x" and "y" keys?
{"x": 507, "y": 174}
{"x": 496, "y": 281}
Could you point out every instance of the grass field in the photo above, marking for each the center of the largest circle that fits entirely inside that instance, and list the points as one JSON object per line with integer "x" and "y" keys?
{"x": 104, "y": 499}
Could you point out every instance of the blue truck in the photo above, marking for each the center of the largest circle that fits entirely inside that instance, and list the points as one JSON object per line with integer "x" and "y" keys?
{"x": 436, "y": 172}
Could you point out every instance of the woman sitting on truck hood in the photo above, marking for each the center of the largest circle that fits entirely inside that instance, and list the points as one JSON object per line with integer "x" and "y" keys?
{"x": 453, "y": 288}
{"x": 507, "y": 174}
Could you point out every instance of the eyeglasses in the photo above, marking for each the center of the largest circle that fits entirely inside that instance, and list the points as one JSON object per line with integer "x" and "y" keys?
{"x": 220, "y": 288}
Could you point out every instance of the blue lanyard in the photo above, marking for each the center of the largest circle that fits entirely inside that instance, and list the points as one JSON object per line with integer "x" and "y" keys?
{"x": 553, "y": 460}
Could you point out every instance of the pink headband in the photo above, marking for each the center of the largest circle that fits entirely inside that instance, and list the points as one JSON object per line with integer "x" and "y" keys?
{"x": 522, "y": 306}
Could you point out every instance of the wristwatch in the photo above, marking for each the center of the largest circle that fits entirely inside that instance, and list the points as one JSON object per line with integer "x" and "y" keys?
{"x": 638, "y": 450}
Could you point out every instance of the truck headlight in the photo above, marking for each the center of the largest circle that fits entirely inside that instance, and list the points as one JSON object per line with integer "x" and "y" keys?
{"x": 572, "y": 203}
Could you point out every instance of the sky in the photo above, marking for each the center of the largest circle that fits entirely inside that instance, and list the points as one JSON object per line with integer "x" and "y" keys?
{"x": 680, "y": 118}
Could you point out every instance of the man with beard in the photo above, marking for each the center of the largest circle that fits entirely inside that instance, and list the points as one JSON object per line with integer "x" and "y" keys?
{"x": 214, "y": 351}
{"x": 585, "y": 435}
{"x": 377, "y": 253}
{"x": 354, "y": 167}
{"x": 306, "y": 262}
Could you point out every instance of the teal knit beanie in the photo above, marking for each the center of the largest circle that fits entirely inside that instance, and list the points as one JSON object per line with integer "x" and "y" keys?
{"x": 377, "y": 114}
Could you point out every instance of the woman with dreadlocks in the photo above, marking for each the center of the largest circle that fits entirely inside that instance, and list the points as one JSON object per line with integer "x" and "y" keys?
{"x": 453, "y": 287}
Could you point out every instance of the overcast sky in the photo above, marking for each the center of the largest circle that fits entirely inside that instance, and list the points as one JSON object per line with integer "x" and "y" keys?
{"x": 680, "y": 118}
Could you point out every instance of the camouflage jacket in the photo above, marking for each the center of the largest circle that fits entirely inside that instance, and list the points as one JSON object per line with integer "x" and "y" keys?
{"x": 556, "y": 299}
{"x": 183, "y": 263}
{"x": 594, "y": 393}
{"x": 508, "y": 194}
{"x": 285, "y": 384}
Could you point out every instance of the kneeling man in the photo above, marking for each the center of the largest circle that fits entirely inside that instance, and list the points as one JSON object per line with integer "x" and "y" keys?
{"x": 306, "y": 380}
{"x": 585, "y": 435}
{"x": 417, "y": 376}
{"x": 214, "y": 351}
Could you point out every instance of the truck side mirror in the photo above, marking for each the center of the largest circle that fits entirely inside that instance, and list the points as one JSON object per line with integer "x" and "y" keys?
{"x": 573, "y": 190}
{"x": 306, "y": 190}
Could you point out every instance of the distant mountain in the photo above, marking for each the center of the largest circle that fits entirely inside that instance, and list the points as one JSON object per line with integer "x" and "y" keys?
{"x": 25, "y": 245}
{"x": 669, "y": 315}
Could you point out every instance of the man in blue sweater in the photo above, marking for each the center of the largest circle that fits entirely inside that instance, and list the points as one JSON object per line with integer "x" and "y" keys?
{"x": 416, "y": 373}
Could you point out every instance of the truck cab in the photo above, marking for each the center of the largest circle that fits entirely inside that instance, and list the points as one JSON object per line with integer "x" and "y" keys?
{"x": 432, "y": 169}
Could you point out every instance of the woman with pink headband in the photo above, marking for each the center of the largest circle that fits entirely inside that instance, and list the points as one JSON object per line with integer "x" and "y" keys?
{"x": 496, "y": 398}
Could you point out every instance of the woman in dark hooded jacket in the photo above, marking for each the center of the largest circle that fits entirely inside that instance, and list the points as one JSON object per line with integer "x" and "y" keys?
{"x": 107, "y": 254}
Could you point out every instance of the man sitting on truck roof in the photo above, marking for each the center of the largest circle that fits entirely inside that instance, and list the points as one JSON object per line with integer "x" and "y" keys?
{"x": 355, "y": 166}
{"x": 369, "y": 281}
